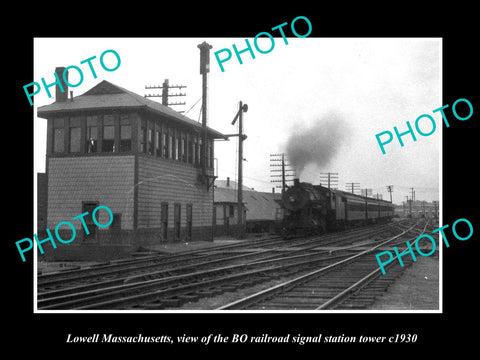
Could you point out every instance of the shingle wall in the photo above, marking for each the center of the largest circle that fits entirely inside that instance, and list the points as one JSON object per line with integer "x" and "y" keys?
{"x": 106, "y": 179}
{"x": 168, "y": 181}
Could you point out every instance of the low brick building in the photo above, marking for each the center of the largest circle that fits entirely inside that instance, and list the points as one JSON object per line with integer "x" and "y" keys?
{"x": 262, "y": 210}
{"x": 112, "y": 147}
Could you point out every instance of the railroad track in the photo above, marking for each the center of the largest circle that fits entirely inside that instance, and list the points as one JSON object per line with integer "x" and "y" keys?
{"x": 351, "y": 283}
{"x": 117, "y": 272}
{"x": 173, "y": 285}
{"x": 118, "y": 269}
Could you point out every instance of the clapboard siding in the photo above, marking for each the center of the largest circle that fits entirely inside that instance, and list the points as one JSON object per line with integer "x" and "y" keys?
{"x": 160, "y": 180}
{"x": 106, "y": 179}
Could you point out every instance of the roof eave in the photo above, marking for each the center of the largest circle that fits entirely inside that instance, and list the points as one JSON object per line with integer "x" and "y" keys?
{"x": 45, "y": 114}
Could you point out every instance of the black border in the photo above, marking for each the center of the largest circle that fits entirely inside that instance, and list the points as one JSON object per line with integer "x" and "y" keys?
{"x": 46, "y": 333}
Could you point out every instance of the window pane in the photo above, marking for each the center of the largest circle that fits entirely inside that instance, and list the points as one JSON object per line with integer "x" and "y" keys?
{"x": 58, "y": 140}
{"x": 176, "y": 148}
{"x": 107, "y": 145}
{"x": 143, "y": 139}
{"x": 125, "y": 132}
{"x": 92, "y": 120}
{"x": 157, "y": 143}
{"x": 150, "y": 141}
{"x": 190, "y": 149}
{"x": 170, "y": 145}
{"x": 75, "y": 139}
{"x": 183, "y": 149}
{"x": 108, "y": 138}
{"x": 164, "y": 144}
{"x": 125, "y": 138}
{"x": 91, "y": 139}
{"x": 108, "y": 120}
{"x": 124, "y": 120}
{"x": 109, "y": 132}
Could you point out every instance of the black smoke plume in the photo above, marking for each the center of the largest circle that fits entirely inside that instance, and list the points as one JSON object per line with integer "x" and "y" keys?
{"x": 316, "y": 144}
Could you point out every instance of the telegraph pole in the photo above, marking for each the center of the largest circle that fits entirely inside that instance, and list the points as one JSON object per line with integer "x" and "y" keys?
{"x": 285, "y": 171}
{"x": 330, "y": 178}
{"x": 165, "y": 95}
{"x": 241, "y": 137}
{"x": 366, "y": 192}
{"x": 354, "y": 186}
{"x": 204, "y": 70}
{"x": 412, "y": 200}
{"x": 390, "y": 189}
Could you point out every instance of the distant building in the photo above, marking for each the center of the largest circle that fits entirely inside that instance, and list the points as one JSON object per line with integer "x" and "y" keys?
{"x": 261, "y": 209}
{"x": 418, "y": 209}
{"x": 142, "y": 159}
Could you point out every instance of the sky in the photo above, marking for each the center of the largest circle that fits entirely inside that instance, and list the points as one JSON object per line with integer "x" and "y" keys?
{"x": 322, "y": 99}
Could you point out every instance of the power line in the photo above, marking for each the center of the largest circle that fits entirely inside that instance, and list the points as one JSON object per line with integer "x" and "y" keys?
{"x": 352, "y": 186}
{"x": 200, "y": 98}
{"x": 165, "y": 94}
{"x": 331, "y": 179}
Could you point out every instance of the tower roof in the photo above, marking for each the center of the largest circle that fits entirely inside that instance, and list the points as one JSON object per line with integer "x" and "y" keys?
{"x": 106, "y": 95}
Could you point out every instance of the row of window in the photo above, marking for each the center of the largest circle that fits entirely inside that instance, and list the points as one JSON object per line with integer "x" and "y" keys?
{"x": 110, "y": 134}
{"x": 79, "y": 136}
{"x": 371, "y": 207}
{"x": 170, "y": 143}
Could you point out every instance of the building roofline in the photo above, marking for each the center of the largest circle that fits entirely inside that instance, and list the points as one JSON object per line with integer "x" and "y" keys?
{"x": 91, "y": 101}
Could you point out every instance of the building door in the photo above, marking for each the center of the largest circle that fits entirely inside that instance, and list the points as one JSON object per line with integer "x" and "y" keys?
{"x": 89, "y": 206}
{"x": 176, "y": 221}
{"x": 226, "y": 220}
{"x": 189, "y": 222}
{"x": 164, "y": 221}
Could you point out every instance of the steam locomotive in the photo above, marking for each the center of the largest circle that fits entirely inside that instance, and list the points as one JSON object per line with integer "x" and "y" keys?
{"x": 314, "y": 209}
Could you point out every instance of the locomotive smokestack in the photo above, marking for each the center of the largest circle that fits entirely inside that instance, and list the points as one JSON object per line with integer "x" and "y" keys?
{"x": 296, "y": 182}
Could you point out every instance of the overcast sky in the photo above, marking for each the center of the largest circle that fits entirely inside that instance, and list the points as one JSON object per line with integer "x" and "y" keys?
{"x": 339, "y": 91}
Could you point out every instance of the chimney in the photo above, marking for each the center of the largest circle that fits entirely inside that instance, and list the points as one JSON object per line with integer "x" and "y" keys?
{"x": 296, "y": 182}
{"x": 228, "y": 182}
{"x": 59, "y": 95}
{"x": 273, "y": 190}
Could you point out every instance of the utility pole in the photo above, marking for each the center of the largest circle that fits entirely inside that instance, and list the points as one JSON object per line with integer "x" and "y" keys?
{"x": 390, "y": 189}
{"x": 366, "y": 192}
{"x": 412, "y": 200}
{"x": 409, "y": 203}
{"x": 353, "y": 186}
{"x": 204, "y": 70}
{"x": 241, "y": 137}
{"x": 165, "y": 95}
{"x": 331, "y": 179}
{"x": 287, "y": 174}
